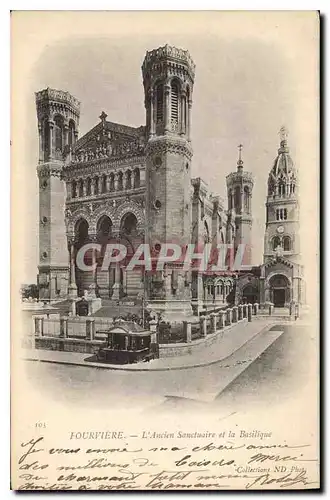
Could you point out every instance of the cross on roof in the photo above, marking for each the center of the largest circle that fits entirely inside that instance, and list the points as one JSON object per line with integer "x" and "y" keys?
{"x": 283, "y": 133}
{"x": 240, "y": 147}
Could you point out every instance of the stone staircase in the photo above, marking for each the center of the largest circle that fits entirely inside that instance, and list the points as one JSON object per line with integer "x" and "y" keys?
{"x": 104, "y": 283}
{"x": 133, "y": 283}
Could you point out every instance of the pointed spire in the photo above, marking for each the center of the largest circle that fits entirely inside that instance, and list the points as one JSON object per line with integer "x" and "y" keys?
{"x": 240, "y": 161}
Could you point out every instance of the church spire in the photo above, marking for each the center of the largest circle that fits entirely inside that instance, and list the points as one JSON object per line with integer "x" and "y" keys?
{"x": 240, "y": 161}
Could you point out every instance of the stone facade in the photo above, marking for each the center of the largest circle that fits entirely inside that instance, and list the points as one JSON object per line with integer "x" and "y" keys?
{"x": 133, "y": 185}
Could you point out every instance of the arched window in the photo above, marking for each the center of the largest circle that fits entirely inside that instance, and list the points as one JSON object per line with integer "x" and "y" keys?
{"x": 286, "y": 243}
{"x": 81, "y": 231}
{"x": 246, "y": 200}
{"x": 58, "y": 133}
{"x": 73, "y": 189}
{"x": 46, "y": 137}
{"x": 276, "y": 243}
{"x": 89, "y": 187}
{"x": 137, "y": 178}
{"x": 104, "y": 229}
{"x": 129, "y": 223}
{"x": 238, "y": 199}
{"x": 112, "y": 182}
{"x": 160, "y": 103}
{"x": 128, "y": 179}
{"x": 174, "y": 102}
{"x": 81, "y": 188}
{"x": 120, "y": 181}
{"x": 96, "y": 185}
{"x": 230, "y": 200}
{"x": 104, "y": 184}
{"x": 71, "y": 133}
{"x": 281, "y": 188}
{"x": 184, "y": 117}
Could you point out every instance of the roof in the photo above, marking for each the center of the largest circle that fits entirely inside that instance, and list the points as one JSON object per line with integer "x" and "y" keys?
{"x": 128, "y": 328}
{"x": 283, "y": 165}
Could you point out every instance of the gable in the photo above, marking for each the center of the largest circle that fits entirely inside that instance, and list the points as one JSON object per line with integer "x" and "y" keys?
{"x": 109, "y": 140}
{"x": 279, "y": 263}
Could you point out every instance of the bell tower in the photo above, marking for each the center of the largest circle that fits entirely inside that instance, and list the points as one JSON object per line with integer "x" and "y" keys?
{"x": 168, "y": 78}
{"x": 58, "y": 121}
{"x": 239, "y": 191}
{"x": 282, "y": 209}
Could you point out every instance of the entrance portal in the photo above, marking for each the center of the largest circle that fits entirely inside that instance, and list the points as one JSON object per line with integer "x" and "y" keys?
{"x": 279, "y": 297}
{"x": 250, "y": 295}
{"x": 280, "y": 290}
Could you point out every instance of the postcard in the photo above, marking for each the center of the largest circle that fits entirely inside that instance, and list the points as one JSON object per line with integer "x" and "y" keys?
{"x": 164, "y": 262}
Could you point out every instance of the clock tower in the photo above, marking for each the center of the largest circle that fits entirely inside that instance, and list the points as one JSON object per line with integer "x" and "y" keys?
{"x": 282, "y": 209}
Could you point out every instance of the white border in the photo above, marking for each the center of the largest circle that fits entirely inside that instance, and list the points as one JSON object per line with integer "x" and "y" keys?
{"x": 5, "y": 7}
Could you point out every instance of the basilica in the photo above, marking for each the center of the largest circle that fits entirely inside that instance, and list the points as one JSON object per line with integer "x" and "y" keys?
{"x": 134, "y": 185}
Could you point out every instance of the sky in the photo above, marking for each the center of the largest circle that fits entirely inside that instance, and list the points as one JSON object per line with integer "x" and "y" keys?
{"x": 248, "y": 84}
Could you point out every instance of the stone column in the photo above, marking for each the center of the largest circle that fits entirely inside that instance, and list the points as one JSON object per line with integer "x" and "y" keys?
{"x": 235, "y": 314}
{"x": 69, "y": 190}
{"x": 92, "y": 187}
{"x": 167, "y": 92}
{"x": 222, "y": 319}
{"x": 189, "y": 120}
{"x": 72, "y": 289}
{"x": 229, "y": 316}
{"x": 84, "y": 187}
{"x": 153, "y": 330}
{"x": 66, "y": 134}
{"x": 64, "y": 327}
{"x": 213, "y": 317}
{"x": 291, "y": 307}
{"x": 187, "y": 331}
{"x": 100, "y": 184}
{"x": 92, "y": 287}
{"x": 38, "y": 326}
{"x": 90, "y": 329}
{"x": 249, "y": 308}
{"x": 116, "y": 181}
{"x": 202, "y": 322}
{"x": 108, "y": 183}
{"x": 240, "y": 312}
{"x": 256, "y": 308}
{"x": 116, "y": 286}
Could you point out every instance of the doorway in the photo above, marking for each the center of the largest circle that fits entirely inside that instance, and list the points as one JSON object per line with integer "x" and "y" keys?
{"x": 279, "y": 297}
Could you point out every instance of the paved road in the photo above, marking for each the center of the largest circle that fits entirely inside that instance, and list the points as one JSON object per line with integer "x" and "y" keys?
{"x": 258, "y": 375}
{"x": 281, "y": 371}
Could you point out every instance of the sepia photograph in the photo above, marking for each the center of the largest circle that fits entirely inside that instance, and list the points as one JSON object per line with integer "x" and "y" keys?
{"x": 165, "y": 232}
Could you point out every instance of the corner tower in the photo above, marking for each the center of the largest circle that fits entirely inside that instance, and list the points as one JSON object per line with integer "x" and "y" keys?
{"x": 168, "y": 78}
{"x": 239, "y": 191}
{"x": 58, "y": 121}
{"x": 282, "y": 209}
